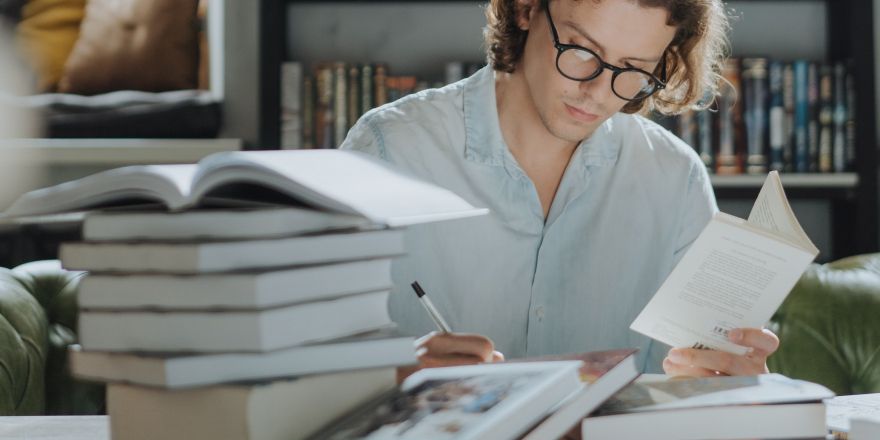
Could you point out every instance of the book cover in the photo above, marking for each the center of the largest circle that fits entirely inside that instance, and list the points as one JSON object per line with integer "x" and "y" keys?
{"x": 195, "y": 257}
{"x": 288, "y": 409}
{"x": 240, "y": 290}
{"x": 384, "y": 348}
{"x": 231, "y": 331}
{"x": 603, "y": 373}
{"x": 154, "y": 224}
{"x": 767, "y": 406}
{"x": 486, "y": 402}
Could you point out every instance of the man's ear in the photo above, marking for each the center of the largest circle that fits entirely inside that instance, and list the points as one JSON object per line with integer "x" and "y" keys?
{"x": 525, "y": 12}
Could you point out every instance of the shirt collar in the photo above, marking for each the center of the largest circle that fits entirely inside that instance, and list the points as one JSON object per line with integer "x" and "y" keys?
{"x": 485, "y": 144}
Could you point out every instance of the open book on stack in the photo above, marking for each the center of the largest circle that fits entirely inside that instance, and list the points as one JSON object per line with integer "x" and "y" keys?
{"x": 768, "y": 406}
{"x": 255, "y": 276}
{"x": 735, "y": 275}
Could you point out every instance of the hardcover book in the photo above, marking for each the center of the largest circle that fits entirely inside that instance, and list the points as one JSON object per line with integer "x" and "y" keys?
{"x": 486, "y": 402}
{"x": 767, "y": 406}
{"x": 229, "y": 331}
{"x": 383, "y": 348}
{"x": 284, "y": 409}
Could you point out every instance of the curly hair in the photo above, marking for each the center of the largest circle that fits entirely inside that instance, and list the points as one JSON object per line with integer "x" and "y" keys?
{"x": 694, "y": 57}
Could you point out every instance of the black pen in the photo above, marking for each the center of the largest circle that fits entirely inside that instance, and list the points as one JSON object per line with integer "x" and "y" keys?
{"x": 429, "y": 306}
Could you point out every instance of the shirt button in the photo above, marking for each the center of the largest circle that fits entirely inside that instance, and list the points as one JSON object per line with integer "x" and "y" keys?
{"x": 539, "y": 311}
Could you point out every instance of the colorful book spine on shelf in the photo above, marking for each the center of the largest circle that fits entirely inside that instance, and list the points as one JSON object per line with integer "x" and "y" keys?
{"x": 788, "y": 104}
{"x": 839, "y": 147}
{"x": 813, "y": 117}
{"x": 801, "y": 117}
{"x": 353, "y": 102}
{"x": 850, "y": 120}
{"x": 754, "y": 76}
{"x": 340, "y": 106}
{"x": 776, "y": 117}
{"x": 730, "y": 121}
{"x": 826, "y": 117}
{"x": 324, "y": 106}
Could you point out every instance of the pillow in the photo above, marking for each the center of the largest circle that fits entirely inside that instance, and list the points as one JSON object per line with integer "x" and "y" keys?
{"x": 147, "y": 45}
{"x": 46, "y": 34}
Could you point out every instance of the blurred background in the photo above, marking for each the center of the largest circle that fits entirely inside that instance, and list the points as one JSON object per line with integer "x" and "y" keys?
{"x": 117, "y": 82}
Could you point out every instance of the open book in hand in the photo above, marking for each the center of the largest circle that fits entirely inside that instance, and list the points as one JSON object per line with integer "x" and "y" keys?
{"x": 735, "y": 275}
{"x": 344, "y": 182}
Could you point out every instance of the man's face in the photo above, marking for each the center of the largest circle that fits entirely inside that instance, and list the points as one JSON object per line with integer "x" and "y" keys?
{"x": 621, "y": 32}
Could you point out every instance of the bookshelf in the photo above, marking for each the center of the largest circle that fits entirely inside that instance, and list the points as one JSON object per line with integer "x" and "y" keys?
{"x": 828, "y": 30}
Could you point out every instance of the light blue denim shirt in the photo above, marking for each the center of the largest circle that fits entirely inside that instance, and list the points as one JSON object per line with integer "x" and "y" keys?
{"x": 631, "y": 201}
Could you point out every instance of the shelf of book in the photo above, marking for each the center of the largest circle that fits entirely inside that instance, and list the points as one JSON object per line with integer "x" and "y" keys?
{"x": 851, "y": 186}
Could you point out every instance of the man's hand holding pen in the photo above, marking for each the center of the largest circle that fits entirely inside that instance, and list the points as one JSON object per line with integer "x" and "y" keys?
{"x": 446, "y": 349}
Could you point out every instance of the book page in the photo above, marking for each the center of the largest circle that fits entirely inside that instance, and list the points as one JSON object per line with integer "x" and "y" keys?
{"x": 733, "y": 276}
{"x": 342, "y": 181}
{"x": 136, "y": 184}
{"x": 773, "y": 212}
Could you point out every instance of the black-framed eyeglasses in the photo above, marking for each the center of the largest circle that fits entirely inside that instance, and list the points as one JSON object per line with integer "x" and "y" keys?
{"x": 581, "y": 64}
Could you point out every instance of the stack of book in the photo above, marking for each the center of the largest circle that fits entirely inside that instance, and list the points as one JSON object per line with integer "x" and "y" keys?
{"x": 230, "y": 317}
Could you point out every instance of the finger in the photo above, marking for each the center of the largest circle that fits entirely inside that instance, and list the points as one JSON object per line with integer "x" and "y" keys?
{"x": 449, "y": 360}
{"x": 673, "y": 369}
{"x": 460, "y": 344}
{"x": 404, "y": 372}
{"x": 762, "y": 341}
{"x": 715, "y": 360}
{"x": 497, "y": 356}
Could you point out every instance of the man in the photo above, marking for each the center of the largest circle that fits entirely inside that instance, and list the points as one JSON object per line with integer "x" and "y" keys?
{"x": 591, "y": 206}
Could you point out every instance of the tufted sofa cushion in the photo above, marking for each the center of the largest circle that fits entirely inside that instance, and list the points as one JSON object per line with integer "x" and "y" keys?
{"x": 38, "y": 315}
{"x": 829, "y": 329}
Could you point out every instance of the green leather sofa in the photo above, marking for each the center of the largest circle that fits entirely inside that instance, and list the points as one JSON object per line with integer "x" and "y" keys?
{"x": 38, "y": 315}
{"x": 829, "y": 327}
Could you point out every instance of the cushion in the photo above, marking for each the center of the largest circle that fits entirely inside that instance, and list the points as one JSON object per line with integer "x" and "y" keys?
{"x": 828, "y": 327}
{"x": 147, "y": 45}
{"x": 46, "y": 34}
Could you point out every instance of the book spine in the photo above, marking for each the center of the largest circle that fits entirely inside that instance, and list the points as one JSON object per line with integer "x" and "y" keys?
{"x": 291, "y": 105}
{"x": 354, "y": 96}
{"x": 340, "y": 106}
{"x": 324, "y": 106}
{"x": 788, "y": 105}
{"x": 367, "y": 98}
{"x": 801, "y": 117}
{"x": 308, "y": 112}
{"x": 686, "y": 127}
{"x": 813, "y": 117}
{"x": 706, "y": 139}
{"x": 839, "y": 119}
{"x": 454, "y": 71}
{"x": 826, "y": 118}
{"x": 776, "y": 118}
{"x": 730, "y": 118}
{"x": 381, "y": 95}
{"x": 755, "y": 91}
{"x": 850, "y": 120}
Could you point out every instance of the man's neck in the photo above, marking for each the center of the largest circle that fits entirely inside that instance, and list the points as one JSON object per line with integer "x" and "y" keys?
{"x": 521, "y": 126}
